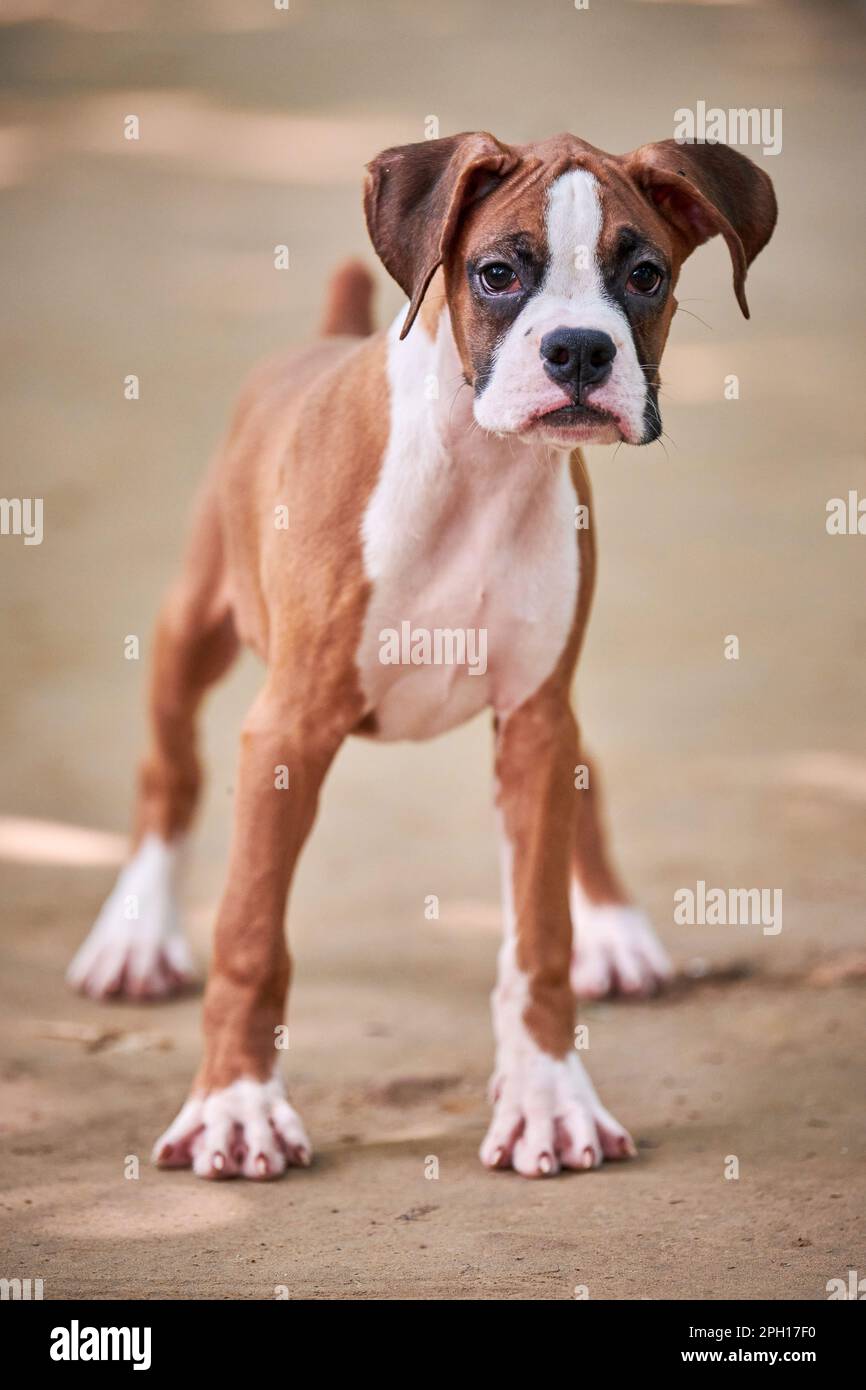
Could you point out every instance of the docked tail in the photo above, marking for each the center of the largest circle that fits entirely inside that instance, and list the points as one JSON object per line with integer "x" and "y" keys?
{"x": 348, "y": 305}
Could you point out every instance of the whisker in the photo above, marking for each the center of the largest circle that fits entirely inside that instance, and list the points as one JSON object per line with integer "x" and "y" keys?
{"x": 681, "y": 310}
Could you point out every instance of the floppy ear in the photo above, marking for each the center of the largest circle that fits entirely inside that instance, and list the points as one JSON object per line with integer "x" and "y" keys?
{"x": 702, "y": 189}
{"x": 414, "y": 197}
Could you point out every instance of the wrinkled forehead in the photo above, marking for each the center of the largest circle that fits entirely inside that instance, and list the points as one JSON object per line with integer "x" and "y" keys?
{"x": 570, "y": 196}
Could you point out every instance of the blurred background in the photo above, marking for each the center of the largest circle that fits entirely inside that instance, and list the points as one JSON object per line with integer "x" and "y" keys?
{"x": 155, "y": 257}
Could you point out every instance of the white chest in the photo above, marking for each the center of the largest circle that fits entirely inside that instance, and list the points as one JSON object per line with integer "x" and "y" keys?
{"x": 471, "y": 551}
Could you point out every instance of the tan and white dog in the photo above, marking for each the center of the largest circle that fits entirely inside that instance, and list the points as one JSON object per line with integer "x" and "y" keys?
{"x": 431, "y": 479}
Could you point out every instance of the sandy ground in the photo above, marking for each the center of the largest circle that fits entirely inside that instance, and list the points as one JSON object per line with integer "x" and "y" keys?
{"x": 156, "y": 259}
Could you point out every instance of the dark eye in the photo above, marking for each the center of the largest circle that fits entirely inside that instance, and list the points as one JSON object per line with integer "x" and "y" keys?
{"x": 644, "y": 279}
{"x": 499, "y": 278}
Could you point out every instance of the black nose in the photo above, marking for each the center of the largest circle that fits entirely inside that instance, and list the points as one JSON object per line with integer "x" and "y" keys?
{"x": 577, "y": 357}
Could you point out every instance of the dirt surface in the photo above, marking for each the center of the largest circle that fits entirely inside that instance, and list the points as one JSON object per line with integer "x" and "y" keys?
{"x": 156, "y": 258}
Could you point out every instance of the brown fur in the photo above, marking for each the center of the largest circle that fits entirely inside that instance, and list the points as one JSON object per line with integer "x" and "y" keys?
{"x": 348, "y": 307}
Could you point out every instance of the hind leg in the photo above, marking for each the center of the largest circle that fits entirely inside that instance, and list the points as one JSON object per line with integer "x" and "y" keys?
{"x": 136, "y": 948}
{"x": 615, "y": 948}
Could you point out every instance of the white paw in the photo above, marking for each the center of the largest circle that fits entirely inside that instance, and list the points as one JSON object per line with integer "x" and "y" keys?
{"x": 616, "y": 951}
{"x": 247, "y": 1130}
{"x": 547, "y": 1116}
{"x": 136, "y": 947}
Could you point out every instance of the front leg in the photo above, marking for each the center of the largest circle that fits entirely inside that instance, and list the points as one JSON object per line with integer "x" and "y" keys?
{"x": 237, "y": 1121}
{"x": 546, "y": 1113}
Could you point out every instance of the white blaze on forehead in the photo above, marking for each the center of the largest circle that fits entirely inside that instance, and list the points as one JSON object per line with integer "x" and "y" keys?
{"x": 572, "y": 294}
{"x": 573, "y": 229}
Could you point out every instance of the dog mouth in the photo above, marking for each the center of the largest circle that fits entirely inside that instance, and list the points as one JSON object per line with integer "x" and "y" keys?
{"x": 576, "y": 417}
{"x": 576, "y": 423}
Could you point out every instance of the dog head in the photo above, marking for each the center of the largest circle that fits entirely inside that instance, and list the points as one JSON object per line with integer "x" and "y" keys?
{"x": 560, "y": 264}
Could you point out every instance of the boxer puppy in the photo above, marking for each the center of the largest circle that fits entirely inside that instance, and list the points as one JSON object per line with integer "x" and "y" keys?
{"x": 434, "y": 564}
